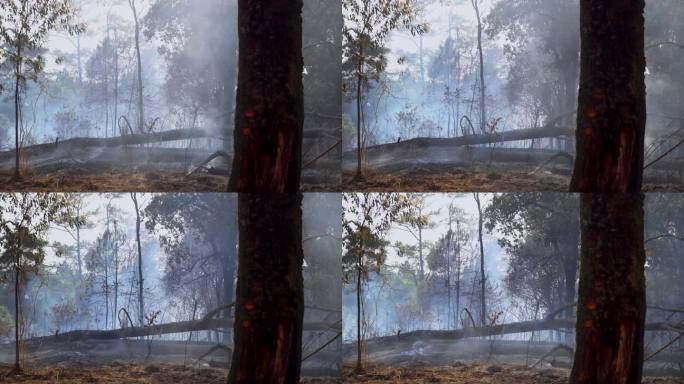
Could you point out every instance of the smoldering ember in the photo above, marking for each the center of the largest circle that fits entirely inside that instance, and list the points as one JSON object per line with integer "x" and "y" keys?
{"x": 482, "y": 95}
{"x": 483, "y": 288}
{"x": 140, "y": 288}
{"x": 140, "y": 95}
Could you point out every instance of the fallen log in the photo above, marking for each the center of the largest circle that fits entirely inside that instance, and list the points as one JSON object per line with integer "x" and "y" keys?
{"x": 83, "y": 142}
{"x": 206, "y": 324}
{"x": 480, "y": 139}
{"x": 504, "y": 329}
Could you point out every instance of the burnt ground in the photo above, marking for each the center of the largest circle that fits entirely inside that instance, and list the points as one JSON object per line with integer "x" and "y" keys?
{"x": 445, "y": 178}
{"x": 470, "y": 373}
{"x": 130, "y": 361}
{"x": 111, "y": 180}
{"x": 478, "y": 361}
{"x": 126, "y": 373}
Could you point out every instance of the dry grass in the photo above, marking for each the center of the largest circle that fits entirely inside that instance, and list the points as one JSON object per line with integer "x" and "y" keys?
{"x": 114, "y": 181}
{"x": 124, "y": 373}
{"x": 456, "y": 180}
{"x": 468, "y": 373}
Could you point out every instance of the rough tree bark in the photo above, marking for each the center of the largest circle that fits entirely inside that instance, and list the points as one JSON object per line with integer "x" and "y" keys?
{"x": 269, "y": 309}
{"x": 270, "y": 98}
{"x": 609, "y": 165}
{"x": 269, "y": 121}
{"x": 612, "y": 299}
{"x": 611, "y": 117}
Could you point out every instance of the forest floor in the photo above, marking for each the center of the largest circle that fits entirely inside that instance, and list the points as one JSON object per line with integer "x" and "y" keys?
{"x": 455, "y": 180}
{"x": 470, "y": 180}
{"x": 470, "y": 373}
{"x": 127, "y": 373}
{"x": 111, "y": 180}
{"x": 130, "y": 361}
{"x": 114, "y": 181}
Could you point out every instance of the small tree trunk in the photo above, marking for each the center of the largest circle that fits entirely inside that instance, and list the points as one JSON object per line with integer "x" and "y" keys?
{"x": 483, "y": 106}
{"x": 141, "y": 303}
{"x": 269, "y": 114}
{"x": 359, "y": 298}
{"x": 269, "y": 308}
{"x": 141, "y": 106}
{"x": 17, "y": 115}
{"x": 483, "y": 280}
{"x": 17, "y": 320}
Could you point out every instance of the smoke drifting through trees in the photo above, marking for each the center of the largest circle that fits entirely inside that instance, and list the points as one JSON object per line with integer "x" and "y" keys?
{"x": 188, "y": 244}
{"x": 531, "y": 247}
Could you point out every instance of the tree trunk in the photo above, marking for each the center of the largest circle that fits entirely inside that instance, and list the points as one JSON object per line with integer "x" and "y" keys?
{"x": 359, "y": 148}
{"x": 269, "y": 114}
{"x": 230, "y": 79}
{"x": 17, "y": 115}
{"x": 483, "y": 106}
{"x": 612, "y": 299}
{"x": 359, "y": 298}
{"x": 17, "y": 319}
{"x": 269, "y": 308}
{"x": 141, "y": 304}
{"x": 141, "y": 106}
{"x": 483, "y": 279}
{"x": 611, "y": 117}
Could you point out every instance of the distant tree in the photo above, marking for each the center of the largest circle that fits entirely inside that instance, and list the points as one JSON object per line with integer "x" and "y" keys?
{"x": 24, "y": 28}
{"x": 367, "y": 218}
{"x": 540, "y": 233}
{"x": 5, "y": 322}
{"x": 199, "y": 45}
{"x": 24, "y": 221}
{"x": 542, "y": 51}
{"x": 198, "y": 233}
{"x": 368, "y": 25}
{"x": 415, "y": 221}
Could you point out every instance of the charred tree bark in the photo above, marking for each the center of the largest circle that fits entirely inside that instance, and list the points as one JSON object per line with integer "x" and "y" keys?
{"x": 609, "y": 164}
{"x": 611, "y": 118}
{"x": 612, "y": 292}
{"x": 269, "y": 114}
{"x": 269, "y": 308}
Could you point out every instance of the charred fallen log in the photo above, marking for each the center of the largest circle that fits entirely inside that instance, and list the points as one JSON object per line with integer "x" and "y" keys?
{"x": 83, "y": 142}
{"x": 503, "y": 329}
{"x": 497, "y": 137}
{"x": 156, "y": 330}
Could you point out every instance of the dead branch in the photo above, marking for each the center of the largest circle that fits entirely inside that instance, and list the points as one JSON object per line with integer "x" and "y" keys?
{"x": 322, "y": 155}
{"x": 213, "y": 349}
{"x": 560, "y": 310}
{"x": 664, "y": 347}
{"x": 552, "y": 351}
{"x": 322, "y": 347}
